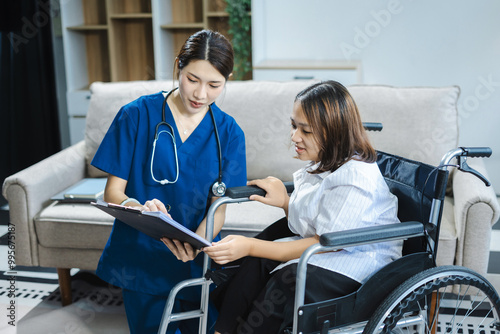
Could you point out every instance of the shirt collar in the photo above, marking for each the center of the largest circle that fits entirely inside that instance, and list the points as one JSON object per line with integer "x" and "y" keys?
{"x": 314, "y": 167}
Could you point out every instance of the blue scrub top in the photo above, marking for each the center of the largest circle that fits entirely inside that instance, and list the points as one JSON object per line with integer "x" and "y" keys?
{"x": 131, "y": 259}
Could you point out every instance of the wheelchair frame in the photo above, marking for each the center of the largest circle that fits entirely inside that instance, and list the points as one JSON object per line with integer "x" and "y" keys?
{"x": 411, "y": 280}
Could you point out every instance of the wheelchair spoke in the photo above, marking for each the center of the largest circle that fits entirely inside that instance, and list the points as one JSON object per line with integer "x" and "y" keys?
{"x": 445, "y": 301}
{"x": 460, "y": 298}
{"x": 466, "y": 316}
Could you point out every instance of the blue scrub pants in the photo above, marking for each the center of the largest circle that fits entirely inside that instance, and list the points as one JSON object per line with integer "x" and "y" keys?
{"x": 144, "y": 314}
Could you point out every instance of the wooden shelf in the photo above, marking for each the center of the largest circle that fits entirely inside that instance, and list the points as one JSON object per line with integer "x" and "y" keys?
{"x": 127, "y": 7}
{"x": 131, "y": 50}
{"x": 217, "y": 14}
{"x": 186, "y": 25}
{"x": 132, "y": 16}
{"x": 88, "y": 27}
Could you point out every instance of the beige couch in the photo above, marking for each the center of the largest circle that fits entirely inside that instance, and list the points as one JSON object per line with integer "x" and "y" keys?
{"x": 419, "y": 123}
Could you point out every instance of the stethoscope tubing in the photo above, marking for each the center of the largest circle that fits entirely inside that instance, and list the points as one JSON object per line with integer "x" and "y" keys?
{"x": 171, "y": 133}
{"x": 157, "y": 135}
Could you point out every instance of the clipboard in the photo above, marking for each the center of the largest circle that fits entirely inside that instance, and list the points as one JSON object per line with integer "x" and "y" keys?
{"x": 156, "y": 224}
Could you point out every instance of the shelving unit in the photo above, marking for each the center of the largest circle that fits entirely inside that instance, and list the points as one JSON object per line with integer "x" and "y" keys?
{"x": 123, "y": 40}
{"x": 130, "y": 40}
{"x": 184, "y": 18}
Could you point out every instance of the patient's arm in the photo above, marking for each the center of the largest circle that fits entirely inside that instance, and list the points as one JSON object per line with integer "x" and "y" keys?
{"x": 234, "y": 247}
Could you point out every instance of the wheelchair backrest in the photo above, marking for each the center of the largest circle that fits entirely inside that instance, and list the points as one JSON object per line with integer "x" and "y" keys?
{"x": 415, "y": 184}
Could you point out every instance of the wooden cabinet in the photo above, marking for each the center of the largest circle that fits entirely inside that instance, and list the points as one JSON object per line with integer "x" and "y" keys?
{"x": 123, "y": 40}
{"x": 347, "y": 72}
{"x": 130, "y": 31}
{"x": 176, "y": 20}
{"x": 108, "y": 40}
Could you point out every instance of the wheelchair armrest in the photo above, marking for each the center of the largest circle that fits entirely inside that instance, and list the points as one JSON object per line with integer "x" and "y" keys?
{"x": 373, "y": 234}
{"x": 339, "y": 240}
{"x": 244, "y": 192}
{"x": 247, "y": 191}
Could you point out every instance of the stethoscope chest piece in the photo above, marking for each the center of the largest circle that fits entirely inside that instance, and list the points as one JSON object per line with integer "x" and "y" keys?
{"x": 219, "y": 189}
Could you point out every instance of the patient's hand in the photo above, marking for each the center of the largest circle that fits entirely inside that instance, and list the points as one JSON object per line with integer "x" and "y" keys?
{"x": 231, "y": 248}
{"x": 276, "y": 194}
{"x": 183, "y": 251}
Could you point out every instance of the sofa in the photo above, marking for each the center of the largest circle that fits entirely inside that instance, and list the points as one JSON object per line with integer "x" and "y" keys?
{"x": 419, "y": 123}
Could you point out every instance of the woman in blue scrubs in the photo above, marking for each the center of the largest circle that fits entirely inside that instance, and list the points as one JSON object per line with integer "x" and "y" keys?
{"x": 173, "y": 173}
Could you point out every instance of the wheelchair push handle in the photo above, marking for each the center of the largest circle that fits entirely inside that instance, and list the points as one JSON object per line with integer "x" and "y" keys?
{"x": 462, "y": 153}
{"x": 370, "y": 126}
{"x": 476, "y": 152}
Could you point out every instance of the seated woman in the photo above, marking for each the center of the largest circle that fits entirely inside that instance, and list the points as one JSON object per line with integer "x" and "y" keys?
{"x": 340, "y": 189}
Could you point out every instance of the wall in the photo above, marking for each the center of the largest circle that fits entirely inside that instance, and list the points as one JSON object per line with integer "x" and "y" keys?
{"x": 402, "y": 43}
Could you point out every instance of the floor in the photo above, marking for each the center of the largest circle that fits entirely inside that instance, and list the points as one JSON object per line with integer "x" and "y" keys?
{"x": 30, "y": 300}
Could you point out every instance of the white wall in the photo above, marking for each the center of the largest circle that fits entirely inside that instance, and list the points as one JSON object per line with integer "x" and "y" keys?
{"x": 399, "y": 42}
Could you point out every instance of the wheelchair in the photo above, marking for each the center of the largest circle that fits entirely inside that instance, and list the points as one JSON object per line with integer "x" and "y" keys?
{"x": 409, "y": 295}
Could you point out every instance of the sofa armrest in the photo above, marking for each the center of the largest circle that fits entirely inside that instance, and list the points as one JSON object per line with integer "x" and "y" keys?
{"x": 476, "y": 209}
{"x": 30, "y": 190}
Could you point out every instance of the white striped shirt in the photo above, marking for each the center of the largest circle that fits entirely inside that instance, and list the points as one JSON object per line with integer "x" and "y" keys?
{"x": 353, "y": 196}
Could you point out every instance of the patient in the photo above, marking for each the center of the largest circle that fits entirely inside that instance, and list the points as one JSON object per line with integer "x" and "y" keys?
{"x": 340, "y": 189}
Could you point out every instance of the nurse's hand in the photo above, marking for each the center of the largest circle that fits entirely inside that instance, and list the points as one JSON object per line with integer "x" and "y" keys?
{"x": 183, "y": 251}
{"x": 155, "y": 205}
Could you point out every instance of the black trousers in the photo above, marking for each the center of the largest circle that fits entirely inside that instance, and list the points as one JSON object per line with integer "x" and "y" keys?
{"x": 255, "y": 301}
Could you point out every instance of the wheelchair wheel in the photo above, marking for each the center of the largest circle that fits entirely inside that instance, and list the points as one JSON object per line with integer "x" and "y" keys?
{"x": 448, "y": 299}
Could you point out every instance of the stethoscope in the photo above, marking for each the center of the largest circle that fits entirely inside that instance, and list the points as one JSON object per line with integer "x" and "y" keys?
{"x": 218, "y": 188}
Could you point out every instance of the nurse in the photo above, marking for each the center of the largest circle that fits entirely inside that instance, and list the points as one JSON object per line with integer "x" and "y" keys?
{"x": 164, "y": 152}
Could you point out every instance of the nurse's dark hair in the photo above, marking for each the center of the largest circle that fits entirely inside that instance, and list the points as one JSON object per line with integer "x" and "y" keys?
{"x": 207, "y": 45}
{"x": 336, "y": 124}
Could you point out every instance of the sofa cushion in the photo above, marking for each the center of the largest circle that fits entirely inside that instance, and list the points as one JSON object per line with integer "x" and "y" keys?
{"x": 64, "y": 225}
{"x": 250, "y": 217}
{"x": 420, "y": 123}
